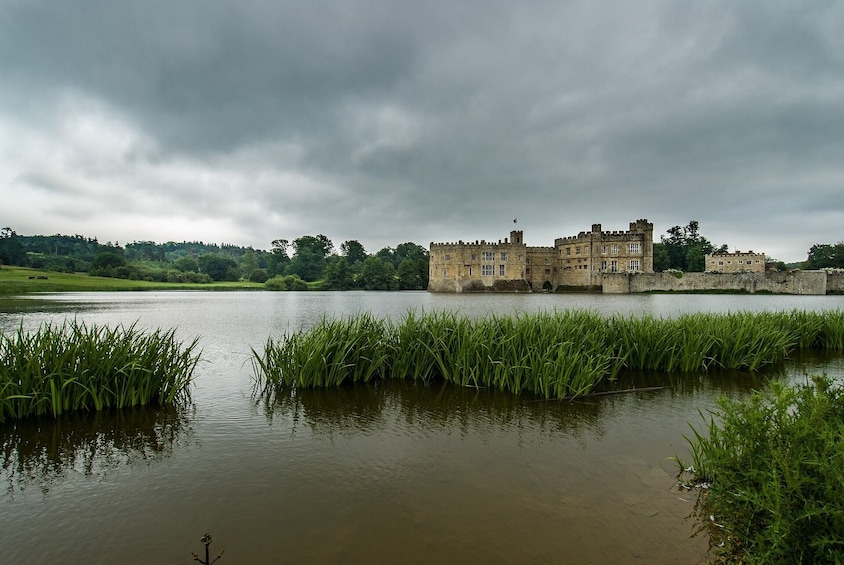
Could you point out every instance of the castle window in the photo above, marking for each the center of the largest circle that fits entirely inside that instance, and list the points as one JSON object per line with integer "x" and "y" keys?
{"x": 577, "y": 250}
{"x": 470, "y": 271}
{"x": 586, "y": 249}
{"x": 632, "y": 248}
{"x": 604, "y": 249}
{"x": 447, "y": 257}
{"x": 547, "y": 261}
{"x": 527, "y": 271}
{"x": 488, "y": 256}
{"x": 547, "y": 271}
{"x": 613, "y": 266}
{"x": 633, "y": 265}
{"x": 474, "y": 256}
{"x": 487, "y": 270}
{"x": 614, "y": 249}
{"x": 445, "y": 273}
{"x": 501, "y": 270}
{"x": 503, "y": 256}
{"x": 527, "y": 261}
{"x": 603, "y": 265}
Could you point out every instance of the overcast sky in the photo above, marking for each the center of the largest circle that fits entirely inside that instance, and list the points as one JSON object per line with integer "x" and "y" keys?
{"x": 388, "y": 121}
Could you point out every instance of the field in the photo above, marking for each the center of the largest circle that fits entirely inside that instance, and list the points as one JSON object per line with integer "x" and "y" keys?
{"x": 19, "y": 280}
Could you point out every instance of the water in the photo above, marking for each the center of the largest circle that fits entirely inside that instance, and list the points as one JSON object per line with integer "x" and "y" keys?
{"x": 370, "y": 474}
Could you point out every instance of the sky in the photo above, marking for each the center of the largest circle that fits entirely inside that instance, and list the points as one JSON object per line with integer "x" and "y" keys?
{"x": 390, "y": 121}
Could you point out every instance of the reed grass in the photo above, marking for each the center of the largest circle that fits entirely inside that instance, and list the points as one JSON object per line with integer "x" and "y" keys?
{"x": 552, "y": 355}
{"x": 72, "y": 366}
{"x": 772, "y": 467}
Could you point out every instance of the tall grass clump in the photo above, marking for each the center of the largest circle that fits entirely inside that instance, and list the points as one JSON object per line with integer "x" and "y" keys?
{"x": 72, "y": 366}
{"x": 550, "y": 354}
{"x": 774, "y": 465}
{"x": 333, "y": 352}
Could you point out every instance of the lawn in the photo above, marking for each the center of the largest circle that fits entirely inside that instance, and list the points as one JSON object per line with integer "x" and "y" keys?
{"x": 19, "y": 280}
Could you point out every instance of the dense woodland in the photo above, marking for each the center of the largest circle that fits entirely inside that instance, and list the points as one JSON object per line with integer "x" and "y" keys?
{"x": 309, "y": 261}
{"x": 286, "y": 266}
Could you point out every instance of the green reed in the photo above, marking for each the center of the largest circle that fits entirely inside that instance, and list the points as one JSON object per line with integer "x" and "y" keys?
{"x": 550, "y": 354}
{"x": 73, "y": 366}
{"x": 771, "y": 465}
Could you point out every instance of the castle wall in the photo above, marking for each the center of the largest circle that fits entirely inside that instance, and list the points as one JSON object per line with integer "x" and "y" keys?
{"x": 478, "y": 266}
{"x": 794, "y": 282}
{"x": 835, "y": 282}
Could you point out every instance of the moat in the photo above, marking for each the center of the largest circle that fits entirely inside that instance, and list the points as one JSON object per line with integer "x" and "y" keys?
{"x": 380, "y": 474}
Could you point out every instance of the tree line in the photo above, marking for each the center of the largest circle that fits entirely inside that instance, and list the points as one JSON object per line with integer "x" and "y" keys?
{"x": 309, "y": 261}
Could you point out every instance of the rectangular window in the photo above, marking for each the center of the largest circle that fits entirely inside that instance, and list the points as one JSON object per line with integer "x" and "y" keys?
{"x": 527, "y": 271}
{"x": 604, "y": 249}
{"x": 445, "y": 273}
{"x": 488, "y": 256}
{"x": 568, "y": 250}
{"x": 613, "y": 266}
{"x": 503, "y": 256}
{"x": 487, "y": 270}
{"x": 527, "y": 261}
{"x": 547, "y": 271}
{"x": 633, "y": 248}
{"x": 474, "y": 256}
{"x": 547, "y": 261}
{"x": 447, "y": 257}
{"x": 585, "y": 249}
{"x": 603, "y": 265}
{"x": 614, "y": 249}
{"x": 470, "y": 271}
{"x": 500, "y": 270}
{"x": 633, "y": 265}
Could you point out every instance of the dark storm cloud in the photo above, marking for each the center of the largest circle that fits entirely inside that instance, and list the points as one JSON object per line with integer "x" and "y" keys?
{"x": 386, "y": 121}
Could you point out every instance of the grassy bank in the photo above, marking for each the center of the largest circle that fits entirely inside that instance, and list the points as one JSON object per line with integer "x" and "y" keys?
{"x": 553, "y": 355}
{"x": 773, "y": 467}
{"x": 70, "y": 367}
{"x": 20, "y": 280}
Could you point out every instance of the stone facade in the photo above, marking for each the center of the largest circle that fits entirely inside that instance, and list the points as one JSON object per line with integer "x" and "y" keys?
{"x": 738, "y": 262}
{"x": 574, "y": 263}
{"x": 773, "y": 282}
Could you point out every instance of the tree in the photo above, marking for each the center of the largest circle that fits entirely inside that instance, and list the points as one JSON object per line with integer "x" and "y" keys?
{"x": 248, "y": 264}
{"x": 824, "y": 255}
{"x": 684, "y": 247}
{"x": 661, "y": 260}
{"x": 409, "y": 278}
{"x": 219, "y": 268}
{"x": 353, "y": 251}
{"x": 337, "y": 274}
{"x": 11, "y": 249}
{"x": 309, "y": 257}
{"x": 378, "y": 274}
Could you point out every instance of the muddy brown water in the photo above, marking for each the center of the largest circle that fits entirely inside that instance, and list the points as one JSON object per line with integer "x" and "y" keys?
{"x": 386, "y": 473}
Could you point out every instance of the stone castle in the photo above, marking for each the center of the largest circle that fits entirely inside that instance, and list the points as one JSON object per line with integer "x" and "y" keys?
{"x": 573, "y": 263}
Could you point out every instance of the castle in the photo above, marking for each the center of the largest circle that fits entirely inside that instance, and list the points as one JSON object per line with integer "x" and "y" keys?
{"x": 573, "y": 263}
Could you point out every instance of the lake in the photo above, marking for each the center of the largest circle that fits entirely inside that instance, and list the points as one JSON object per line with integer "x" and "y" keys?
{"x": 387, "y": 473}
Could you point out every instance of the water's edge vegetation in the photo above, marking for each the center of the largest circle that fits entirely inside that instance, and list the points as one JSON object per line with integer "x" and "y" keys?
{"x": 770, "y": 471}
{"x": 550, "y": 354}
{"x": 73, "y": 366}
